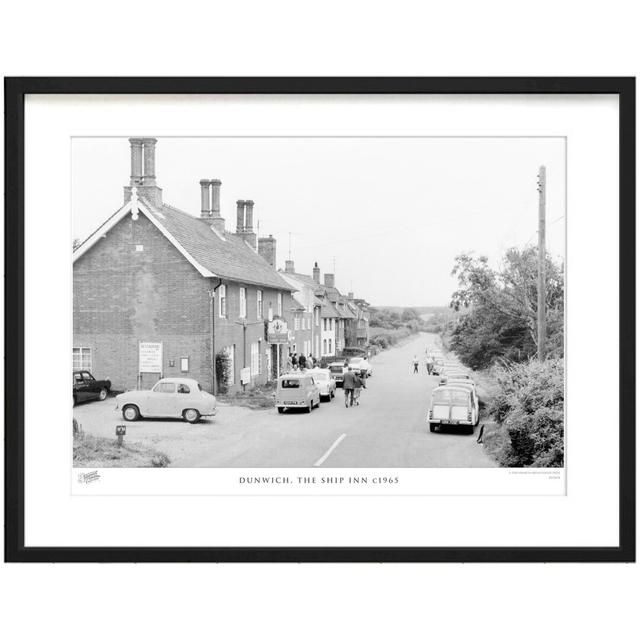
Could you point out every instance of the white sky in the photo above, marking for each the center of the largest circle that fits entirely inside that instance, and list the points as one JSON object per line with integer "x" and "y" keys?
{"x": 392, "y": 212}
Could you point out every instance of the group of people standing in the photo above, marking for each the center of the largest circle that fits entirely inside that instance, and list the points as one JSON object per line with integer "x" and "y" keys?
{"x": 297, "y": 362}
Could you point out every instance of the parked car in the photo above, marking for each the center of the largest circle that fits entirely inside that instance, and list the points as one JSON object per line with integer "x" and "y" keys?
{"x": 362, "y": 365}
{"x": 454, "y": 376}
{"x": 86, "y": 387}
{"x": 169, "y": 398}
{"x": 337, "y": 371}
{"x": 326, "y": 384}
{"x": 297, "y": 391}
{"x": 453, "y": 406}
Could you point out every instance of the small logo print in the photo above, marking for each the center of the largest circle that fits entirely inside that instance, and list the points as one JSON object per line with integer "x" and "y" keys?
{"x": 86, "y": 478}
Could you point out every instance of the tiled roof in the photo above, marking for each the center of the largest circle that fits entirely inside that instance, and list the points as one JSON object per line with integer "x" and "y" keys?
{"x": 328, "y": 310}
{"x": 231, "y": 258}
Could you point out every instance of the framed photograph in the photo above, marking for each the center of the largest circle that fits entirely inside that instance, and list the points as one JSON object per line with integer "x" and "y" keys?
{"x": 320, "y": 319}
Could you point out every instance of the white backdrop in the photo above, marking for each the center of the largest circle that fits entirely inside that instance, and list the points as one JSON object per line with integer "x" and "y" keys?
{"x": 406, "y": 38}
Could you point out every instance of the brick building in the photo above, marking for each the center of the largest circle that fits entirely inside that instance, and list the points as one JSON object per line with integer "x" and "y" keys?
{"x": 157, "y": 292}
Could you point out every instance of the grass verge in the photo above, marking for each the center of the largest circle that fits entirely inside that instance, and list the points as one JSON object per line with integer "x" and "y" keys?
{"x": 93, "y": 451}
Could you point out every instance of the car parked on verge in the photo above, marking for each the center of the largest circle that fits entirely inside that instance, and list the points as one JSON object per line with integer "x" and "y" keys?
{"x": 337, "y": 371}
{"x": 86, "y": 387}
{"x": 453, "y": 376}
{"x": 297, "y": 391}
{"x": 326, "y": 384}
{"x": 169, "y": 398}
{"x": 453, "y": 406}
{"x": 361, "y": 365}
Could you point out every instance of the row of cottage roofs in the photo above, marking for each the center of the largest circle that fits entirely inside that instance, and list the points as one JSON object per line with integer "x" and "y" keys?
{"x": 215, "y": 252}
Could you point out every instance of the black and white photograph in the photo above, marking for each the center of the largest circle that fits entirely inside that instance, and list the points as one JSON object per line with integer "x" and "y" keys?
{"x": 322, "y": 302}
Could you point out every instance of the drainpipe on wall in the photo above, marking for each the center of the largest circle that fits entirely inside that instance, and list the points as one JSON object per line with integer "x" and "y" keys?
{"x": 212, "y": 315}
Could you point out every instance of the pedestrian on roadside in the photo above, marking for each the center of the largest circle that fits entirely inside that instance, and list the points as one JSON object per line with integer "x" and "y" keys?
{"x": 360, "y": 385}
{"x": 294, "y": 360}
{"x": 429, "y": 363}
{"x": 348, "y": 384}
{"x": 302, "y": 361}
{"x": 416, "y": 362}
{"x": 311, "y": 361}
{"x": 289, "y": 363}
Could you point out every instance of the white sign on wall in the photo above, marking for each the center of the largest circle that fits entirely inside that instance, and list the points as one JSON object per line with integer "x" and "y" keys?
{"x": 150, "y": 357}
{"x": 245, "y": 375}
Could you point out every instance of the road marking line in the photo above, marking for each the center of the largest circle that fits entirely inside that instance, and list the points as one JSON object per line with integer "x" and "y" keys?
{"x": 330, "y": 450}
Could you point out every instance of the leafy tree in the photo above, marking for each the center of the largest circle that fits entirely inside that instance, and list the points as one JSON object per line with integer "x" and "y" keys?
{"x": 498, "y": 308}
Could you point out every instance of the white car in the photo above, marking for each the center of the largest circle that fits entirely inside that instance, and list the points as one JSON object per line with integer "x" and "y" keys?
{"x": 326, "y": 383}
{"x": 169, "y": 398}
{"x": 454, "y": 406}
{"x": 361, "y": 364}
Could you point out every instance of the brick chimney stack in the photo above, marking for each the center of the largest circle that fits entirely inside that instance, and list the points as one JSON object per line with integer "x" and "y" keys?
{"x": 329, "y": 280}
{"x": 149, "y": 149}
{"x": 136, "y": 161}
{"x": 240, "y": 216}
{"x": 350, "y": 295}
{"x": 288, "y": 266}
{"x": 143, "y": 171}
{"x": 248, "y": 216}
{"x": 205, "y": 199}
{"x": 249, "y": 234}
{"x": 210, "y": 207}
{"x": 316, "y": 273}
{"x": 215, "y": 197}
{"x": 267, "y": 249}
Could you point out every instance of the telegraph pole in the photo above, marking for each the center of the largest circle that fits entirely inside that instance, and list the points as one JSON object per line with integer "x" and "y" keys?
{"x": 542, "y": 276}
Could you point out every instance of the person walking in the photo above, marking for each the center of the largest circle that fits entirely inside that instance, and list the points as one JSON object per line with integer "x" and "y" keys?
{"x": 360, "y": 385}
{"x": 429, "y": 363}
{"x": 348, "y": 384}
{"x": 311, "y": 363}
{"x": 416, "y": 362}
{"x": 302, "y": 361}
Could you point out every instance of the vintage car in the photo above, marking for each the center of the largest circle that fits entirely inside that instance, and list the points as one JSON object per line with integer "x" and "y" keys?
{"x": 297, "y": 391}
{"x": 86, "y": 387}
{"x": 337, "y": 371}
{"x": 169, "y": 398}
{"x": 361, "y": 365}
{"x": 326, "y": 384}
{"x": 453, "y": 376}
{"x": 454, "y": 406}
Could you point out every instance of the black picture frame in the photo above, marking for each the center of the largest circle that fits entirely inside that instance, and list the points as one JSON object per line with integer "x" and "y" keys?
{"x": 15, "y": 91}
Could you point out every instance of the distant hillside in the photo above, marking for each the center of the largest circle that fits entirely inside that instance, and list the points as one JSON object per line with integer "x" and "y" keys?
{"x": 419, "y": 310}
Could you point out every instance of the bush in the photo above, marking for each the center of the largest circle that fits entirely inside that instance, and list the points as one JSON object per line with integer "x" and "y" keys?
{"x": 529, "y": 405}
{"x": 223, "y": 367}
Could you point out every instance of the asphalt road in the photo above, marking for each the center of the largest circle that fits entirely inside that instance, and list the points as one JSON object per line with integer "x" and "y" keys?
{"x": 388, "y": 429}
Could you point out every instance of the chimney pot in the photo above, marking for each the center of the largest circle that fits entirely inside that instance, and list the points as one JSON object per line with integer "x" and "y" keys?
{"x": 316, "y": 273}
